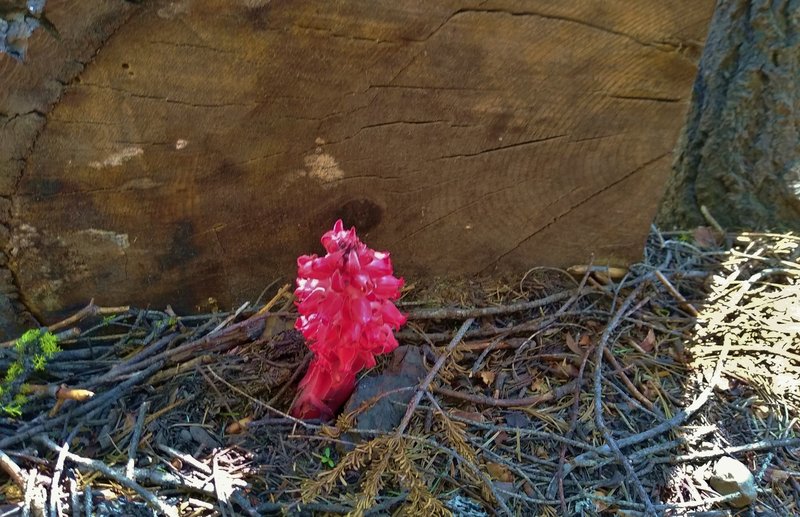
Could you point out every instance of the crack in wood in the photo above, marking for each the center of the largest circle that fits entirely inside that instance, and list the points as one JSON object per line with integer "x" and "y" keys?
{"x": 646, "y": 98}
{"x": 565, "y": 19}
{"x": 386, "y": 124}
{"x": 478, "y": 200}
{"x": 168, "y": 100}
{"x": 192, "y": 46}
{"x": 504, "y": 147}
{"x": 331, "y": 34}
{"x": 24, "y": 304}
{"x": 572, "y": 208}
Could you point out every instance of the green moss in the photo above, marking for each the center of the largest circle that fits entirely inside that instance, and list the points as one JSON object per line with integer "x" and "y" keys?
{"x": 14, "y": 371}
{"x": 49, "y": 345}
{"x": 39, "y": 362}
{"x": 34, "y": 349}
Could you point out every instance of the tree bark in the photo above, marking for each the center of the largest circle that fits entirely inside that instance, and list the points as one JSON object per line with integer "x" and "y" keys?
{"x": 739, "y": 154}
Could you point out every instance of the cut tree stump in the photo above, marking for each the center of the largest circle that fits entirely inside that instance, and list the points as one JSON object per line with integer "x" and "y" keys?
{"x": 169, "y": 152}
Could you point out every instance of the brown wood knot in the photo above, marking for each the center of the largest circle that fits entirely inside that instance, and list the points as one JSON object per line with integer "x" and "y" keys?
{"x": 364, "y": 214}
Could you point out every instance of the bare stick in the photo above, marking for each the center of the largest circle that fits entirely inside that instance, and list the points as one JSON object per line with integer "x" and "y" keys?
{"x": 262, "y": 404}
{"x": 679, "y": 418}
{"x": 58, "y": 392}
{"x": 74, "y": 497}
{"x": 97, "y": 402}
{"x": 483, "y": 400}
{"x": 609, "y": 355}
{"x": 207, "y": 341}
{"x": 229, "y": 319}
{"x": 682, "y": 301}
{"x": 573, "y": 424}
{"x": 423, "y": 386}
{"x": 30, "y": 487}
{"x": 55, "y": 483}
{"x": 711, "y": 220}
{"x": 222, "y": 487}
{"x": 729, "y": 451}
{"x": 89, "y": 310}
{"x": 137, "y": 434}
{"x": 598, "y": 401}
{"x": 460, "y": 314}
{"x": 11, "y": 468}
{"x": 199, "y": 465}
{"x": 301, "y": 369}
{"x": 88, "y": 506}
{"x": 111, "y": 473}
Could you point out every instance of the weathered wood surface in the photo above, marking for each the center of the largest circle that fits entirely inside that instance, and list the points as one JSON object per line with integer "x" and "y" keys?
{"x": 208, "y": 143}
{"x": 27, "y": 94}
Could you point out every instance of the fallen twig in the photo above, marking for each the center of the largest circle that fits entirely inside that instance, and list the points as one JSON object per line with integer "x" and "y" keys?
{"x": 423, "y": 386}
{"x": 483, "y": 400}
{"x": 34, "y": 427}
{"x": 186, "y": 458}
{"x": 11, "y": 468}
{"x": 598, "y": 401}
{"x": 111, "y": 473}
{"x": 682, "y": 301}
{"x": 448, "y": 313}
{"x": 137, "y": 434}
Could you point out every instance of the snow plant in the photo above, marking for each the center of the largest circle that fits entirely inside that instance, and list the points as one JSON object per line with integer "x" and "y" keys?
{"x": 347, "y": 316}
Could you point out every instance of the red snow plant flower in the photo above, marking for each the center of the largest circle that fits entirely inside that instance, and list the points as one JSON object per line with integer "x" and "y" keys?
{"x": 346, "y": 315}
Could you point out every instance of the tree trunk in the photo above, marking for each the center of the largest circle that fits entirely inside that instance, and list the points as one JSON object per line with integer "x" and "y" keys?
{"x": 739, "y": 154}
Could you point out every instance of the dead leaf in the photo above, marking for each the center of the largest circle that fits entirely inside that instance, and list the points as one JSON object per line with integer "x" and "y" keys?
{"x": 593, "y": 324}
{"x": 649, "y": 342}
{"x": 499, "y": 472}
{"x": 564, "y": 369}
{"x": 528, "y": 489}
{"x": 539, "y": 386}
{"x": 541, "y": 452}
{"x": 331, "y": 431}
{"x": 599, "y": 504}
{"x": 649, "y": 390}
{"x": 130, "y": 421}
{"x": 238, "y": 426}
{"x": 573, "y": 346}
{"x": 203, "y": 437}
{"x": 487, "y": 377}
{"x": 705, "y": 237}
{"x": 468, "y": 415}
{"x": 585, "y": 340}
{"x": 777, "y": 475}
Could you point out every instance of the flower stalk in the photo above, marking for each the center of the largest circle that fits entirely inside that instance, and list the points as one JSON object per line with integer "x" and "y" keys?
{"x": 347, "y": 316}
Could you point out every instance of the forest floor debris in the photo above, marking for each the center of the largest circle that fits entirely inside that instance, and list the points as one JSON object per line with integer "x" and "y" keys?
{"x": 588, "y": 392}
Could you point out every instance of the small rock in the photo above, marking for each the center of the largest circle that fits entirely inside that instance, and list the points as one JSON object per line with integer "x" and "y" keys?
{"x": 405, "y": 371}
{"x": 730, "y": 476}
{"x": 465, "y": 507}
{"x": 517, "y": 419}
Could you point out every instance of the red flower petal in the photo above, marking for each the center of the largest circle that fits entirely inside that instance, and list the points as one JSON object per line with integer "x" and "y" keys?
{"x": 346, "y": 315}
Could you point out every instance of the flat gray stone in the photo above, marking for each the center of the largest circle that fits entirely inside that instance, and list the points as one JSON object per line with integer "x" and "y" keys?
{"x": 405, "y": 371}
{"x": 730, "y": 476}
